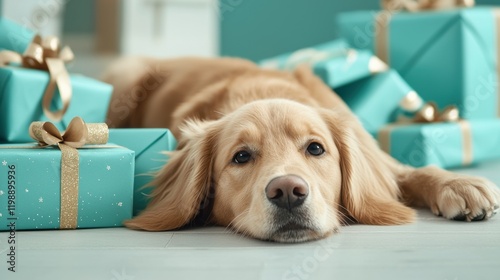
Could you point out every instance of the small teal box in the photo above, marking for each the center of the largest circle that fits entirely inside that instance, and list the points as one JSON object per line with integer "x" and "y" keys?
{"x": 446, "y": 145}
{"x": 375, "y": 100}
{"x": 13, "y": 36}
{"x": 21, "y": 93}
{"x": 447, "y": 56}
{"x": 334, "y": 62}
{"x": 104, "y": 193}
{"x": 148, "y": 145}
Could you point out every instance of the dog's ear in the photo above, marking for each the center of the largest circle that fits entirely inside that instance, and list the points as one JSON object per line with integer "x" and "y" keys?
{"x": 369, "y": 191}
{"x": 183, "y": 183}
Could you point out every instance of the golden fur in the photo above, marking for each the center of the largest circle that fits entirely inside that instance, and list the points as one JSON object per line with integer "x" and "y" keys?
{"x": 217, "y": 108}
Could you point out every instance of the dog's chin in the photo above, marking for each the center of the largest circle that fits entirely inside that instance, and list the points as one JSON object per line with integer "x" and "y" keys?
{"x": 294, "y": 233}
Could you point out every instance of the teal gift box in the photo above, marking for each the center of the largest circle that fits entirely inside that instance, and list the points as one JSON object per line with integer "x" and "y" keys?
{"x": 334, "y": 62}
{"x": 21, "y": 93}
{"x": 446, "y": 145}
{"x": 148, "y": 145}
{"x": 31, "y": 178}
{"x": 376, "y": 100}
{"x": 447, "y": 56}
{"x": 13, "y": 36}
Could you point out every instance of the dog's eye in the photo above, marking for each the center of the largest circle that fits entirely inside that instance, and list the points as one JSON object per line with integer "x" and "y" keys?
{"x": 315, "y": 149}
{"x": 242, "y": 157}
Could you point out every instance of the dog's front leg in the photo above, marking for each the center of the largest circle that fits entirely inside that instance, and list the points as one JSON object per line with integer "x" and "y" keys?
{"x": 453, "y": 196}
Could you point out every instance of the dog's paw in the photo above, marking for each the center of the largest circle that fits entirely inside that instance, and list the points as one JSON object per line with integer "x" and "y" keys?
{"x": 467, "y": 199}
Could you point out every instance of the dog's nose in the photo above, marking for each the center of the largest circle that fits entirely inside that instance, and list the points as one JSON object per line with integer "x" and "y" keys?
{"x": 287, "y": 191}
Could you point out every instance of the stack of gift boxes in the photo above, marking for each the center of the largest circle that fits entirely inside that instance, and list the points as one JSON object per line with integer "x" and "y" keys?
{"x": 437, "y": 101}
{"x": 87, "y": 177}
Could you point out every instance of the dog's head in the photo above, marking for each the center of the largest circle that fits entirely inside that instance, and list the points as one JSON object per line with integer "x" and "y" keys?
{"x": 275, "y": 170}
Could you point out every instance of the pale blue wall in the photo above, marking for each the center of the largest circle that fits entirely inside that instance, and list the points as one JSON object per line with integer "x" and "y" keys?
{"x": 260, "y": 28}
{"x": 257, "y": 29}
{"x": 79, "y": 16}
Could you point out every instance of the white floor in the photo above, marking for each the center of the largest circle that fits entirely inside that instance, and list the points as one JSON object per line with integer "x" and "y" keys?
{"x": 431, "y": 248}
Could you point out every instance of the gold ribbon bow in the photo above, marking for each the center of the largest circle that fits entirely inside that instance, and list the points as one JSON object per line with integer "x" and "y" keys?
{"x": 430, "y": 113}
{"x": 390, "y": 6}
{"x": 419, "y": 5}
{"x": 46, "y": 55}
{"x": 77, "y": 135}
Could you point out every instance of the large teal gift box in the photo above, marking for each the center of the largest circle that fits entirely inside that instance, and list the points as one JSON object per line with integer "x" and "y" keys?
{"x": 30, "y": 176}
{"x": 149, "y": 145}
{"x": 376, "y": 100}
{"x": 13, "y": 36}
{"x": 445, "y": 145}
{"x": 21, "y": 93}
{"x": 447, "y": 56}
{"x": 334, "y": 62}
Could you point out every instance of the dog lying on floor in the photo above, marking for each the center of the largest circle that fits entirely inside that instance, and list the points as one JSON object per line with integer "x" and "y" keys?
{"x": 278, "y": 154}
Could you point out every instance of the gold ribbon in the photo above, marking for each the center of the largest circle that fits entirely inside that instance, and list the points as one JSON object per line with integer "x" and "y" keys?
{"x": 420, "y": 5}
{"x": 429, "y": 113}
{"x": 383, "y": 18}
{"x": 496, "y": 14}
{"x": 76, "y": 136}
{"x": 384, "y": 139}
{"x": 46, "y": 55}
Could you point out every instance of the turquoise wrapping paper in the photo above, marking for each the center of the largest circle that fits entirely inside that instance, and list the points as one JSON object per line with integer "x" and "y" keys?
{"x": 14, "y": 37}
{"x": 375, "y": 100}
{"x": 341, "y": 65}
{"x": 443, "y": 144}
{"x": 148, "y": 145}
{"x": 21, "y": 92}
{"x": 449, "y": 57}
{"x": 105, "y": 186}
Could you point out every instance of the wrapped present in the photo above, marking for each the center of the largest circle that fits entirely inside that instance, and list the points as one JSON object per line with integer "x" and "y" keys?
{"x": 445, "y": 144}
{"x": 43, "y": 90}
{"x": 447, "y": 56}
{"x": 377, "y": 100}
{"x": 148, "y": 145}
{"x": 334, "y": 62}
{"x": 14, "y": 37}
{"x": 62, "y": 184}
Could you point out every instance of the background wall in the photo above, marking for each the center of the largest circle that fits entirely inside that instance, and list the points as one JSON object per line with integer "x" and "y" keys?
{"x": 261, "y": 28}
{"x": 257, "y": 29}
{"x": 254, "y": 29}
{"x": 79, "y": 17}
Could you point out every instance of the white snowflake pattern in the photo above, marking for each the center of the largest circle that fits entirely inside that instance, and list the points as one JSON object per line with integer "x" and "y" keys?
{"x": 108, "y": 168}
{"x": 4, "y": 163}
{"x": 1, "y": 192}
{"x": 40, "y": 199}
{"x": 120, "y": 204}
{"x": 26, "y": 190}
{"x": 1, "y": 215}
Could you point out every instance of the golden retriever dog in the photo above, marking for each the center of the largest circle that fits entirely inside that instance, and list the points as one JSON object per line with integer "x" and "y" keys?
{"x": 273, "y": 155}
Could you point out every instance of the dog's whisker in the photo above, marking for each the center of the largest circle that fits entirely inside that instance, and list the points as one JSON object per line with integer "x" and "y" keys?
{"x": 234, "y": 224}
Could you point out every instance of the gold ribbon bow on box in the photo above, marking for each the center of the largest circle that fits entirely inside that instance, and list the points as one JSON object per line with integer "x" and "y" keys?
{"x": 76, "y": 136}
{"x": 46, "y": 54}
{"x": 391, "y": 6}
{"x": 419, "y": 5}
{"x": 428, "y": 113}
